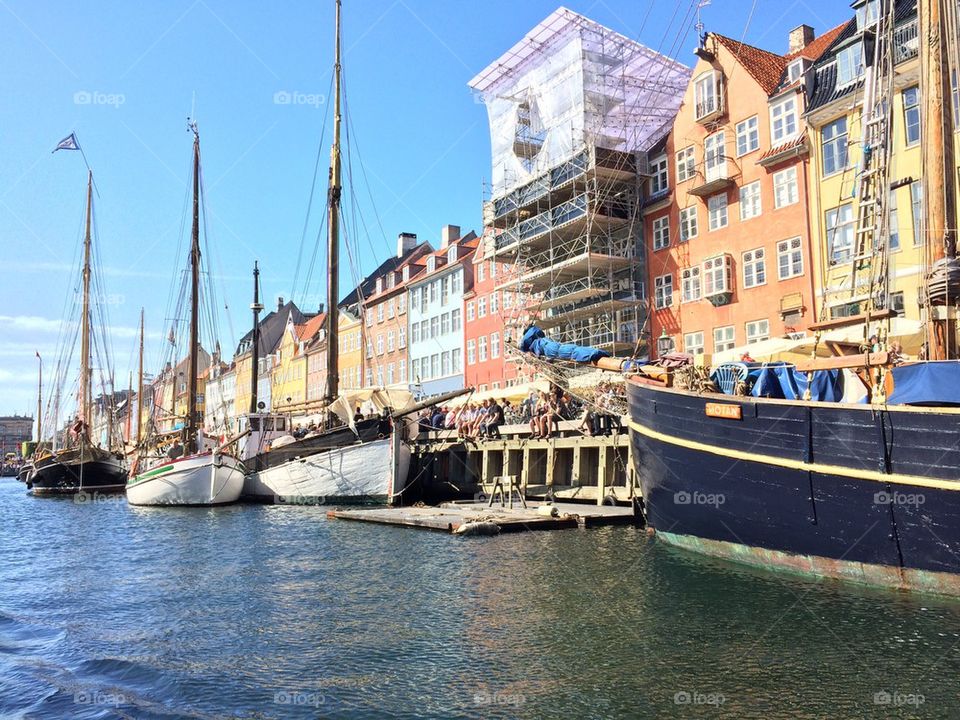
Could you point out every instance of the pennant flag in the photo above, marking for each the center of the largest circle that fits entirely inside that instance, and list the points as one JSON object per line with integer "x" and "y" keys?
{"x": 68, "y": 143}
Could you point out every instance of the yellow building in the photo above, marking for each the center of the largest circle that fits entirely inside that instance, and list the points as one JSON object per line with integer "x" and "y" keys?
{"x": 288, "y": 390}
{"x": 350, "y": 331}
{"x": 834, "y": 117}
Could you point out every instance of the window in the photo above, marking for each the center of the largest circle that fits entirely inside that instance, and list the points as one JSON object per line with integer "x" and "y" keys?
{"x": 849, "y": 65}
{"x": 658, "y": 172}
{"x": 916, "y": 209}
{"x": 723, "y": 338}
{"x": 706, "y": 91}
{"x": 369, "y": 315}
{"x": 433, "y": 292}
{"x": 493, "y": 268}
{"x": 663, "y": 291}
{"x": 717, "y": 205}
{"x": 750, "y": 200}
{"x": 748, "y": 136}
{"x": 380, "y": 377}
{"x": 445, "y": 323}
{"x": 470, "y": 311}
{"x": 494, "y": 345}
{"x": 406, "y": 273}
{"x": 471, "y": 352}
{"x": 455, "y": 320}
{"x": 390, "y": 374}
{"x": 688, "y": 223}
{"x": 715, "y": 158}
{"x": 431, "y": 263}
{"x": 434, "y": 327}
{"x": 795, "y": 70}
{"x": 894, "y": 219}
{"x": 911, "y": 115}
{"x": 507, "y": 299}
{"x": 379, "y": 284}
{"x": 455, "y": 360}
{"x": 783, "y": 120}
{"x": 867, "y": 14}
{"x": 435, "y": 365}
{"x": 955, "y": 83}
{"x": 415, "y": 332}
{"x": 840, "y": 233}
{"x": 896, "y": 301}
{"x": 445, "y": 363}
{"x": 716, "y": 275}
{"x": 403, "y": 371}
{"x": 482, "y": 348}
{"x": 480, "y": 272}
{"x": 834, "y": 149}
{"x": 403, "y": 338}
{"x": 785, "y": 191}
{"x": 494, "y": 302}
{"x": 456, "y": 282}
{"x": 758, "y": 330}
{"x": 402, "y": 304}
{"x": 369, "y": 348}
{"x": 369, "y": 377}
{"x": 693, "y": 343}
{"x": 789, "y": 258}
{"x": 445, "y": 290}
{"x": 481, "y": 307}
{"x": 661, "y": 232}
{"x": 754, "y": 268}
{"x": 379, "y": 344}
{"x": 391, "y": 306}
{"x": 690, "y": 284}
{"x": 452, "y": 254}
{"x": 686, "y": 164}
{"x": 390, "y": 341}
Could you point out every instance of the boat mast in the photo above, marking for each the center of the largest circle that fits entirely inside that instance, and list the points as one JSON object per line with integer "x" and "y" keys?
{"x": 39, "y": 398}
{"x": 938, "y": 163}
{"x": 333, "y": 232}
{"x": 190, "y": 435}
{"x": 140, "y": 384}
{"x": 85, "y": 390}
{"x": 256, "y": 306}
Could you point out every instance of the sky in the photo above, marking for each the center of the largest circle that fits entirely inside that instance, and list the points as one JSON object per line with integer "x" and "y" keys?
{"x": 256, "y": 76}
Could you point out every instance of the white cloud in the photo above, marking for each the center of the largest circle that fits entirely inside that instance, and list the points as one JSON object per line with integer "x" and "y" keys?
{"x": 31, "y": 323}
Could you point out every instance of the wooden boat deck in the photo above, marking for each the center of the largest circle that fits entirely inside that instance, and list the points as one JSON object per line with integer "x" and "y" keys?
{"x": 448, "y": 517}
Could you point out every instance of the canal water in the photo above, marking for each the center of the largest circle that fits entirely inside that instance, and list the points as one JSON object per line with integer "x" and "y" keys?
{"x": 109, "y": 611}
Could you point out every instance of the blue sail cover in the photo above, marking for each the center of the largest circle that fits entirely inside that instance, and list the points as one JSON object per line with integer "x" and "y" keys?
{"x": 535, "y": 342}
{"x": 785, "y": 382}
{"x": 928, "y": 383}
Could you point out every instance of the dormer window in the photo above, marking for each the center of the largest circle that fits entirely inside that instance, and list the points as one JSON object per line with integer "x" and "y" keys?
{"x": 783, "y": 120}
{"x": 658, "y": 173}
{"x": 867, "y": 14}
{"x": 849, "y": 64}
{"x": 431, "y": 263}
{"x": 452, "y": 255}
{"x": 406, "y": 273}
{"x": 706, "y": 90}
{"x": 391, "y": 280}
{"x": 795, "y": 70}
{"x": 379, "y": 284}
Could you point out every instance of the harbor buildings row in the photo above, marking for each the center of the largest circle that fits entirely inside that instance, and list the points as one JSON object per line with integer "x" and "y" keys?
{"x": 636, "y": 204}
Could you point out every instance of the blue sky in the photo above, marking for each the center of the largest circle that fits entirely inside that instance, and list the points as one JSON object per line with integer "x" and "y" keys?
{"x": 124, "y": 76}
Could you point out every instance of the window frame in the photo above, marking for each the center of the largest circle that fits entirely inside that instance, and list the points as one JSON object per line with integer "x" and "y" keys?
{"x": 756, "y": 261}
{"x": 742, "y": 198}
{"x": 788, "y": 252}
{"x": 794, "y": 114}
{"x": 743, "y": 131}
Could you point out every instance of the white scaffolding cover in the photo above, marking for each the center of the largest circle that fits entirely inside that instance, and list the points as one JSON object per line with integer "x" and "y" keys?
{"x": 570, "y": 84}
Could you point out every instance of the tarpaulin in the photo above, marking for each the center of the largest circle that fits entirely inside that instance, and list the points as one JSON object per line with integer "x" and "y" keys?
{"x": 785, "y": 382}
{"x": 535, "y": 342}
{"x": 928, "y": 383}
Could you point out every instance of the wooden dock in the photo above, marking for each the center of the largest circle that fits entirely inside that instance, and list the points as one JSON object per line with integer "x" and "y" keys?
{"x": 478, "y": 518}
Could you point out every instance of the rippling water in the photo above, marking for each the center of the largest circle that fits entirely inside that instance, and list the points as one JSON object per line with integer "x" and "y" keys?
{"x": 108, "y": 611}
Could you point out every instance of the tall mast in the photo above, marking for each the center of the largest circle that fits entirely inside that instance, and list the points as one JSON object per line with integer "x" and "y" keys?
{"x": 85, "y": 390}
{"x": 140, "y": 385}
{"x": 333, "y": 232}
{"x": 191, "y": 425}
{"x": 938, "y": 163}
{"x": 256, "y": 306}
{"x": 39, "y": 398}
{"x": 129, "y": 405}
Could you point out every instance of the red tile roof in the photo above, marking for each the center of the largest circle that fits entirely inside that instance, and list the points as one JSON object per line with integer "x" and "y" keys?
{"x": 311, "y": 327}
{"x": 798, "y": 141}
{"x": 765, "y": 67}
{"x": 818, "y": 47}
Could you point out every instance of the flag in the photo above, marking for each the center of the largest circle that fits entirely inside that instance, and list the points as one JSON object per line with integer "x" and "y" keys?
{"x": 68, "y": 143}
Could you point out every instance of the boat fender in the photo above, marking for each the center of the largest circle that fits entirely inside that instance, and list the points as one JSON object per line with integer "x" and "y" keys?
{"x": 548, "y": 511}
{"x": 610, "y": 500}
{"x": 478, "y": 528}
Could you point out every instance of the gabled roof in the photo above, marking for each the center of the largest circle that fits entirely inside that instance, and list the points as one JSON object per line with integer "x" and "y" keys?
{"x": 368, "y": 285}
{"x": 271, "y": 329}
{"x": 765, "y": 67}
{"x": 306, "y": 331}
{"x": 819, "y": 46}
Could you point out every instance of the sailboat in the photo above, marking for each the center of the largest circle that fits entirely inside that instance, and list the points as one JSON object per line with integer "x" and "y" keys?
{"x": 350, "y": 462}
{"x": 865, "y": 492}
{"x": 191, "y": 472}
{"x": 80, "y": 466}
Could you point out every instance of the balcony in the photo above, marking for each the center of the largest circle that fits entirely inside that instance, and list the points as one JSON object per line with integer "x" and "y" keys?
{"x": 718, "y": 177}
{"x": 905, "y": 42}
{"x": 572, "y": 213}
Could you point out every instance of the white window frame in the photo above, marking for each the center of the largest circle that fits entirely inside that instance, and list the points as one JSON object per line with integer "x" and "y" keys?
{"x": 690, "y": 286}
{"x": 686, "y": 164}
{"x": 748, "y": 136}
{"x": 849, "y": 65}
{"x": 792, "y": 250}
{"x": 659, "y": 180}
{"x": 784, "y": 123}
{"x": 689, "y": 227}
{"x": 785, "y": 180}
{"x": 693, "y": 343}
{"x": 717, "y": 215}
{"x": 757, "y": 331}
{"x": 663, "y": 291}
{"x": 840, "y": 219}
{"x": 724, "y": 338}
{"x": 751, "y": 201}
{"x": 661, "y": 232}
{"x": 707, "y": 94}
{"x": 715, "y": 156}
{"x": 834, "y": 151}
{"x": 716, "y": 275}
{"x": 754, "y": 265}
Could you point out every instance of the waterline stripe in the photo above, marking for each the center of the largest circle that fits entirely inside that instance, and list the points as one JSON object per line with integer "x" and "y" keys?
{"x": 860, "y": 474}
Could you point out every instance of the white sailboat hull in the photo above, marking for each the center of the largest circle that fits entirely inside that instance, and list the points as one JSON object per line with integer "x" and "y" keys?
{"x": 208, "y": 479}
{"x": 372, "y": 472}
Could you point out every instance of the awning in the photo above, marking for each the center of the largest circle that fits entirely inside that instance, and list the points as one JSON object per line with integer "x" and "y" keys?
{"x": 514, "y": 393}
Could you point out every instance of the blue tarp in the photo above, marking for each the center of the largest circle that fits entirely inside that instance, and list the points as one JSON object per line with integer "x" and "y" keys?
{"x": 929, "y": 383}
{"x": 785, "y": 382}
{"x": 535, "y": 342}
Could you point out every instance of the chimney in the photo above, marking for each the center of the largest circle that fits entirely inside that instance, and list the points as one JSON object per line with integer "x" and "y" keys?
{"x": 280, "y": 303}
{"x": 405, "y": 243}
{"x": 320, "y": 309}
{"x": 449, "y": 234}
{"x": 800, "y": 37}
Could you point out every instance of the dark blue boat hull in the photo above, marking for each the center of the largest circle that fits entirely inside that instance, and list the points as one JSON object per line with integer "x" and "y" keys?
{"x": 836, "y": 490}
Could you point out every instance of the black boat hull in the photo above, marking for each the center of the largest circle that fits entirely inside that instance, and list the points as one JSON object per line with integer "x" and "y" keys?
{"x": 871, "y": 495}
{"x": 92, "y": 476}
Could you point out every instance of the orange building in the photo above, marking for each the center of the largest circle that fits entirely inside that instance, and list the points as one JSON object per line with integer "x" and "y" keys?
{"x": 729, "y": 246}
